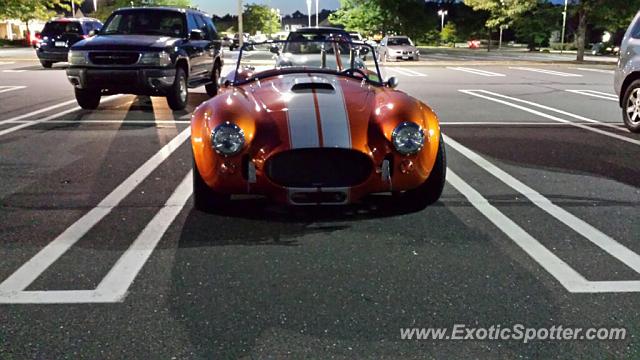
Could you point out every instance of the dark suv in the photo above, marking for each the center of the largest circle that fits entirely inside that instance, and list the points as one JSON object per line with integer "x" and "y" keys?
{"x": 147, "y": 51}
{"x": 59, "y": 35}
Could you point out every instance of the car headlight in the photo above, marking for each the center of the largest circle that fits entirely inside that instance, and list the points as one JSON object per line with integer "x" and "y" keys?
{"x": 161, "y": 58}
{"x": 77, "y": 58}
{"x": 408, "y": 138}
{"x": 227, "y": 139}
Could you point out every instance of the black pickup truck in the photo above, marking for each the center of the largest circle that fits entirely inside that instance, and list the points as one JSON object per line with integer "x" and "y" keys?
{"x": 157, "y": 51}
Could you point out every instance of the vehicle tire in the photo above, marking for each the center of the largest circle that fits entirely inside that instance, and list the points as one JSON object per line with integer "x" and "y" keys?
{"x": 212, "y": 88}
{"x": 46, "y": 64}
{"x": 631, "y": 107}
{"x": 88, "y": 99}
{"x": 178, "y": 95}
{"x": 431, "y": 190}
{"x": 204, "y": 198}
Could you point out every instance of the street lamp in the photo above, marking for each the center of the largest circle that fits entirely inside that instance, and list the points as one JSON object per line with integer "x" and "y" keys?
{"x": 442, "y": 14}
{"x": 317, "y": 13}
{"x": 73, "y": 8}
{"x": 240, "y": 29}
{"x": 564, "y": 25}
{"x": 309, "y": 11}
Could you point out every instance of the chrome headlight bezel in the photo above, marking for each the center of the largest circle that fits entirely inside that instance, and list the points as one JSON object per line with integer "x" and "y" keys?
{"x": 155, "y": 58}
{"x": 77, "y": 58}
{"x": 227, "y": 139}
{"x": 408, "y": 138}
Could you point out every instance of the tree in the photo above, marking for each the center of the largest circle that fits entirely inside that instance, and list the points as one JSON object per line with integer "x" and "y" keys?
{"x": 105, "y": 10}
{"x": 534, "y": 27}
{"x": 30, "y": 10}
{"x": 260, "y": 18}
{"x": 501, "y": 12}
{"x": 612, "y": 14}
{"x": 449, "y": 33}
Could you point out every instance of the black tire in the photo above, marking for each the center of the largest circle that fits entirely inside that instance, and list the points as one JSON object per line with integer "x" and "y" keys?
{"x": 204, "y": 198}
{"x": 431, "y": 190}
{"x": 178, "y": 95}
{"x": 212, "y": 88}
{"x": 631, "y": 98}
{"x": 46, "y": 64}
{"x": 88, "y": 99}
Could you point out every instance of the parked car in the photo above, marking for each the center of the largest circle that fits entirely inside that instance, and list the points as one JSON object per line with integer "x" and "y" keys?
{"x": 59, "y": 35}
{"x": 627, "y": 76}
{"x": 147, "y": 51}
{"x": 397, "y": 48}
{"x": 319, "y": 33}
{"x": 321, "y": 134}
{"x": 235, "y": 42}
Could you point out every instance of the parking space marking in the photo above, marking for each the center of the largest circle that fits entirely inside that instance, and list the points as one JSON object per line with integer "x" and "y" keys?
{"x": 476, "y": 71}
{"x": 569, "y": 278}
{"x": 406, "y": 72}
{"x": 40, "y": 262}
{"x": 13, "y": 71}
{"x": 4, "y": 88}
{"x": 520, "y": 123}
{"x": 122, "y": 122}
{"x": 596, "y": 94}
{"x": 6, "y": 63}
{"x": 610, "y": 72}
{"x": 496, "y": 97}
{"x": 51, "y": 117}
{"x": 545, "y": 71}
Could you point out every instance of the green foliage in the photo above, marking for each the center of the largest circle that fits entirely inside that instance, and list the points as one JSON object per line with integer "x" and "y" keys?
{"x": 449, "y": 33}
{"x": 501, "y": 12}
{"x": 535, "y": 26}
{"x": 29, "y": 10}
{"x": 260, "y": 18}
{"x": 105, "y": 10}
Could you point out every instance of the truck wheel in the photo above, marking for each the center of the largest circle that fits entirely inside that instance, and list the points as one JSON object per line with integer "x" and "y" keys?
{"x": 631, "y": 107}
{"x": 178, "y": 95}
{"x": 212, "y": 88}
{"x": 46, "y": 64}
{"x": 88, "y": 99}
{"x": 431, "y": 190}
{"x": 204, "y": 198}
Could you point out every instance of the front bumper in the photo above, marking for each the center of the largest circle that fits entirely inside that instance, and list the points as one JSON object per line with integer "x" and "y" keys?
{"x": 54, "y": 56}
{"x": 137, "y": 81}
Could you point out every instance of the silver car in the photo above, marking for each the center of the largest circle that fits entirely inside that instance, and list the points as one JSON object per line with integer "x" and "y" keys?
{"x": 397, "y": 48}
{"x": 627, "y": 78}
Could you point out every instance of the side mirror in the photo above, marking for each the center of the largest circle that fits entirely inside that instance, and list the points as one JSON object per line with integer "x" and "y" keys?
{"x": 393, "y": 82}
{"x": 94, "y": 32}
{"x": 364, "y": 50}
{"x": 275, "y": 49}
{"x": 196, "y": 35}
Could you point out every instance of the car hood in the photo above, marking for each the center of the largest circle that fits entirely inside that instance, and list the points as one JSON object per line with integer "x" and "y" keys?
{"x": 126, "y": 42}
{"x": 402, "y": 47}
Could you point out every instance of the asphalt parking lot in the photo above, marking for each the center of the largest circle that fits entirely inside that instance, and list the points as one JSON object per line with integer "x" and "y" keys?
{"x": 104, "y": 257}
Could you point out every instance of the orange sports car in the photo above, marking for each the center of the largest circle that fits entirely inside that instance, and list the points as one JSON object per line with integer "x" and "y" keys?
{"x": 308, "y": 123}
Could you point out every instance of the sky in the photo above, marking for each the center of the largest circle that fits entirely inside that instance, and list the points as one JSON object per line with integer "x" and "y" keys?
{"x": 222, "y": 7}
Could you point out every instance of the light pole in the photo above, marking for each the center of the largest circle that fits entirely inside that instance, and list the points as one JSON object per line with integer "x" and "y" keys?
{"x": 309, "y": 11}
{"x": 442, "y": 14}
{"x": 73, "y": 8}
{"x": 95, "y": 5}
{"x": 240, "y": 29}
{"x": 502, "y": 27}
{"x": 317, "y": 12}
{"x": 564, "y": 25}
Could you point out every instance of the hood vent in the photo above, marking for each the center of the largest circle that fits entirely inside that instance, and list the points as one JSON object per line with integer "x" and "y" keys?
{"x": 304, "y": 87}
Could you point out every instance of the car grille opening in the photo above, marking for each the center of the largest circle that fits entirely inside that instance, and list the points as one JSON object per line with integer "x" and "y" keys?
{"x": 114, "y": 58}
{"x": 323, "y": 167}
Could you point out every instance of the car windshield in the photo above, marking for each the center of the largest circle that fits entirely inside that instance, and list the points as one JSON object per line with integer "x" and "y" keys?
{"x": 146, "y": 22}
{"x": 257, "y": 61}
{"x": 399, "y": 42}
{"x": 55, "y": 28}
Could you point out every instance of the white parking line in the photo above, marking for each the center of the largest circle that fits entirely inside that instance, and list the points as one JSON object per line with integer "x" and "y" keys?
{"x": 13, "y": 71}
{"x": 596, "y": 94}
{"x": 6, "y": 63}
{"x": 476, "y": 71}
{"x": 569, "y": 278}
{"x": 133, "y": 122}
{"x": 51, "y": 117}
{"x": 5, "y": 88}
{"x": 519, "y": 123}
{"x": 551, "y": 117}
{"x": 11, "y": 288}
{"x": 610, "y": 72}
{"x": 548, "y": 72}
{"x": 407, "y": 72}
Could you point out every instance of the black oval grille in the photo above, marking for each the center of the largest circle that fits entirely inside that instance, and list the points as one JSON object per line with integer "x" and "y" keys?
{"x": 323, "y": 167}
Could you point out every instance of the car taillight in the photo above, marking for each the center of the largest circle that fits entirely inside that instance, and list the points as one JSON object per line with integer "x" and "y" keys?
{"x": 39, "y": 36}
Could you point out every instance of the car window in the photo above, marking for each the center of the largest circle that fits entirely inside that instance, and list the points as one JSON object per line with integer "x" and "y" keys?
{"x": 147, "y": 22}
{"x": 192, "y": 23}
{"x": 55, "y": 28}
{"x": 635, "y": 33}
{"x": 203, "y": 27}
{"x": 399, "y": 42}
{"x": 211, "y": 27}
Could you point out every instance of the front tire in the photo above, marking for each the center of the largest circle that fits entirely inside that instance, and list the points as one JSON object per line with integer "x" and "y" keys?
{"x": 88, "y": 99}
{"x": 631, "y": 107}
{"x": 46, "y": 64}
{"x": 212, "y": 88}
{"x": 431, "y": 190}
{"x": 204, "y": 198}
{"x": 178, "y": 95}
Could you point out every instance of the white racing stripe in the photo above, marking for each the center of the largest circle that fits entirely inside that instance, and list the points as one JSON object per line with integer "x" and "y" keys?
{"x": 548, "y": 72}
{"x": 596, "y": 94}
{"x": 476, "y": 71}
{"x": 569, "y": 278}
{"x": 477, "y": 93}
{"x": 334, "y": 119}
{"x": 302, "y": 120}
{"x": 39, "y": 263}
{"x": 4, "y": 89}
